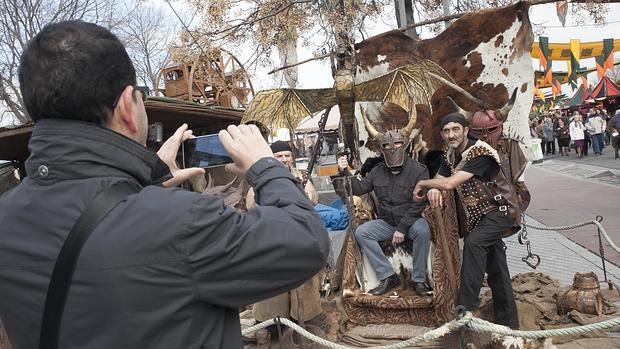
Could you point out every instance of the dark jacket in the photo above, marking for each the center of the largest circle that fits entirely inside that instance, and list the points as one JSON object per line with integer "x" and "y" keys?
{"x": 394, "y": 192}
{"x": 167, "y": 268}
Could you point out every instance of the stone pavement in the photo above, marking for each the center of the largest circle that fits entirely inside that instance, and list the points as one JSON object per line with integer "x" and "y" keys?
{"x": 568, "y": 191}
{"x": 606, "y": 160}
{"x": 560, "y": 257}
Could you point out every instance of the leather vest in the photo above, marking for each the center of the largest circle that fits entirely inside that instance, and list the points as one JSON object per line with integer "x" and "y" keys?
{"x": 477, "y": 196}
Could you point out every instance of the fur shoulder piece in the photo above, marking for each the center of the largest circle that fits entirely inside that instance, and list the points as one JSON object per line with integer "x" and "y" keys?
{"x": 480, "y": 148}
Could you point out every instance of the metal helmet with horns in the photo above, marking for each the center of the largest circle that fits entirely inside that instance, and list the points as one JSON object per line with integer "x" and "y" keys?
{"x": 485, "y": 124}
{"x": 393, "y": 143}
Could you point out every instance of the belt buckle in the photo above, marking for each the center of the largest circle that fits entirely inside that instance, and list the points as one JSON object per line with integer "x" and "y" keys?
{"x": 497, "y": 197}
{"x": 503, "y": 208}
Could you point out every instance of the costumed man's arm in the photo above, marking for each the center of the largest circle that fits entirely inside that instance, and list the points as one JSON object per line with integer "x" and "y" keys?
{"x": 441, "y": 183}
{"x": 359, "y": 187}
{"x": 311, "y": 193}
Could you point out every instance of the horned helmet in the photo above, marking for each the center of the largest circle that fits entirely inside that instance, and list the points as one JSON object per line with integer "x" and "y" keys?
{"x": 486, "y": 124}
{"x": 393, "y": 143}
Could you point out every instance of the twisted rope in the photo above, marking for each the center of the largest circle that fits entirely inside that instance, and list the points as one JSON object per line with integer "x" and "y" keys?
{"x": 480, "y": 325}
{"x": 470, "y": 322}
{"x": 425, "y": 337}
{"x": 578, "y": 225}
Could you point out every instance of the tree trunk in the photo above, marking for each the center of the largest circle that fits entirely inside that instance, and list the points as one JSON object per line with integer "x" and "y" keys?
{"x": 404, "y": 17}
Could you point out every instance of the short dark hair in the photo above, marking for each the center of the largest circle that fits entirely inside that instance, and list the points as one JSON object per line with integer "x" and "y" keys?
{"x": 74, "y": 70}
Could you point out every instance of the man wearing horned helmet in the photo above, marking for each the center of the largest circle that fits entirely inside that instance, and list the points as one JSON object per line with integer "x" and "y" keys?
{"x": 399, "y": 216}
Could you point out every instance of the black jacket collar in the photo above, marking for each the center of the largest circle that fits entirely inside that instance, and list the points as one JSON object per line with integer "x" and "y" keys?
{"x": 71, "y": 149}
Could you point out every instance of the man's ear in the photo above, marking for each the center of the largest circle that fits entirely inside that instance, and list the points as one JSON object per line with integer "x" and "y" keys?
{"x": 124, "y": 110}
{"x": 465, "y": 131}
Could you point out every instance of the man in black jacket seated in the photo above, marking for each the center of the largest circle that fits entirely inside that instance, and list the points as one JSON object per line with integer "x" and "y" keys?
{"x": 393, "y": 181}
{"x": 166, "y": 268}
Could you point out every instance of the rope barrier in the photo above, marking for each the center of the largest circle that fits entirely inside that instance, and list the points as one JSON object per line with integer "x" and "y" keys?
{"x": 425, "y": 337}
{"x": 578, "y": 225}
{"x": 480, "y": 325}
{"x": 468, "y": 321}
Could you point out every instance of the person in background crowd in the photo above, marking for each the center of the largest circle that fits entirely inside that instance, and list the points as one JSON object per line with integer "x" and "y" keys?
{"x": 562, "y": 133}
{"x": 533, "y": 125}
{"x": 576, "y": 131}
{"x": 607, "y": 117}
{"x": 540, "y": 133}
{"x": 596, "y": 127}
{"x": 614, "y": 123}
{"x": 549, "y": 135}
{"x": 613, "y": 127}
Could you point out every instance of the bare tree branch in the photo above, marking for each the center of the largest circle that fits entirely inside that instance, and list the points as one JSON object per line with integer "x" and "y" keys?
{"x": 20, "y": 21}
{"x": 146, "y": 36}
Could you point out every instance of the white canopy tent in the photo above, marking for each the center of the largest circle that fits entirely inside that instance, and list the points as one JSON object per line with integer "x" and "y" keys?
{"x": 311, "y": 123}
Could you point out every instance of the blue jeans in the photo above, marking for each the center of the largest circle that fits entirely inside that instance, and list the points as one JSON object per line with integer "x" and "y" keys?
{"x": 597, "y": 143}
{"x": 370, "y": 233}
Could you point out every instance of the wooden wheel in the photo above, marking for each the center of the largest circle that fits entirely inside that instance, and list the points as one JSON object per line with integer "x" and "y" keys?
{"x": 214, "y": 78}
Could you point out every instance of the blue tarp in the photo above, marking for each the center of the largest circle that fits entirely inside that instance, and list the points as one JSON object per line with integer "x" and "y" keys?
{"x": 334, "y": 217}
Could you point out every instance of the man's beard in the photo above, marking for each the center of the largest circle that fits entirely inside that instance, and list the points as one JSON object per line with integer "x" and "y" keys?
{"x": 456, "y": 143}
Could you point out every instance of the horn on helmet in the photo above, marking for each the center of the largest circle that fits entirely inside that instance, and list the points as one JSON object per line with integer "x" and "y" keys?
{"x": 372, "y": 131}
{"x": 416, "y": 132}
{"x": 413, "y": 117}
{"x": 469, "y": 96}
{"x": 467, "y": 114}
{"x": 503, "y": 112}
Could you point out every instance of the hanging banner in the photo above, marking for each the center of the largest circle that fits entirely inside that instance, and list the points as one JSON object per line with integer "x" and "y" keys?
{"x": 608, "y": 53}
{"x": 573, "y": 64}
{"x": 600, "y": 66}
{"x": 540, "y": 93}
{"x": 556, "y": 88}
{"x": 561, "y": 8}
{"x": 544, "y": 58}
{"x": 561, "y": 51}
{"x": 584, "y": 82}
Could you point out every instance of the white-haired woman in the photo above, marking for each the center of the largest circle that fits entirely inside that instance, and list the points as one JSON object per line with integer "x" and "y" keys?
{"x": 576, "y": 130}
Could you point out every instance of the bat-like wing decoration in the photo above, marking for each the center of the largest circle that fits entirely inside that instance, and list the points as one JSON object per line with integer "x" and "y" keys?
{"x": 285, "y": 108}
{"x": 404, "y": 86}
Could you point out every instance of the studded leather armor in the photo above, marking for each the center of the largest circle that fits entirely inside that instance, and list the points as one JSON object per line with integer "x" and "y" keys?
{"x": 477, "y": 196}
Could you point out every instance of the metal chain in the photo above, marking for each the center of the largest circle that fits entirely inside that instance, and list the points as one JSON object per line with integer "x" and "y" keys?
{"x": 596, "y": 222}
{"x": 531, "y": 259}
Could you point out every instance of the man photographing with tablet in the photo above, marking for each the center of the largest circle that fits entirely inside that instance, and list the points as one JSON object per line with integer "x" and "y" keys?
{"x": 162, "y": 267}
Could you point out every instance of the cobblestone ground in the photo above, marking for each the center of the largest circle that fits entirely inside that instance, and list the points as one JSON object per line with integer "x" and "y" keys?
{"x": 567, "y": 191}
{"x": 560, "y": 257}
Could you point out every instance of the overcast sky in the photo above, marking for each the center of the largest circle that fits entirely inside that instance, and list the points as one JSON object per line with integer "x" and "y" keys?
{"x": 318, "y": 73}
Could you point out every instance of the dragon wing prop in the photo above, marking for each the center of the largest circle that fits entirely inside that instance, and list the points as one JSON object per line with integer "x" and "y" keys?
{"x": 285, "y": 108}
{"x": 405, "y": 86}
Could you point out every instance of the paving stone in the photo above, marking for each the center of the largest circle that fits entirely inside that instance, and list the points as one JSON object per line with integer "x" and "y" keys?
{"x": 560, "y": 257}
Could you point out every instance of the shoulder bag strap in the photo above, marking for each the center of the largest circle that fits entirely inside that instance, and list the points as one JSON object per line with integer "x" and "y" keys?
{"x": 60, "y": 281}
